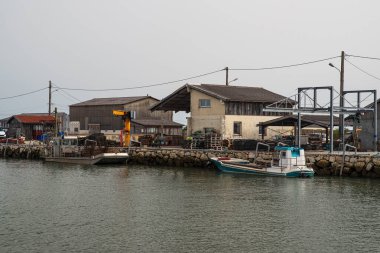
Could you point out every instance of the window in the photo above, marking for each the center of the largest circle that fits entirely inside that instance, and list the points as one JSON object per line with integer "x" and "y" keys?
{"x": 204, "y": 103}
{"x": 151, "y": 130}
{"x": 237, "y": 128}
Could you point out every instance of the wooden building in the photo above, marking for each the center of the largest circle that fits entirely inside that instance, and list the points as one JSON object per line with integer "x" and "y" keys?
{"x": 4, "y": 123}
{"x": 30, "y": 126}
{"x": 232, "y": 111}
{"x": 63, "y": 119}
{"x": 98, "y": 112}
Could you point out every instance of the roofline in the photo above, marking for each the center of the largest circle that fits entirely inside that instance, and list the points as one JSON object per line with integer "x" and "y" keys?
{"x": 153, "y": 107}
{"x": 140, "y": 98}
{"x": 15, "y": 117}
{"x": 213, "y": 94}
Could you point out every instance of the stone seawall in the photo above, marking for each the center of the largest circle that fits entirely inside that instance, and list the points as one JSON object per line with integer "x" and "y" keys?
{"x": 324, "y": 164}
{"x": 22, "y": 151}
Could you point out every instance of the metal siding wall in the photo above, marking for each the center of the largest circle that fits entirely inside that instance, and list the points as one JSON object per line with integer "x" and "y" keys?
{"x": 101, "y": 114}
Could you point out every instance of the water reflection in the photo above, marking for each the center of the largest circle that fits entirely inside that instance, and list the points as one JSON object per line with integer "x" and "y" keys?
{"x": 56, "y": 207}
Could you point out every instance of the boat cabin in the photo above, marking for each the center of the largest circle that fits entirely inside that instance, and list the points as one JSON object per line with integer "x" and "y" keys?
{"x": 68, "y": 146}
{"x": 289, "y": 156}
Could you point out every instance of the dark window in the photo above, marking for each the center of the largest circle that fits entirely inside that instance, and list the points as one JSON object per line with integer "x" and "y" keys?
{"x": 204, "y": 103}
{"x": 237, "y": 128}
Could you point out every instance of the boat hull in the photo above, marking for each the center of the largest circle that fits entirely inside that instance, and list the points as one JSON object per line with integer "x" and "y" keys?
{"x": 104, "y": 158}
{"x": 248, "y": 168}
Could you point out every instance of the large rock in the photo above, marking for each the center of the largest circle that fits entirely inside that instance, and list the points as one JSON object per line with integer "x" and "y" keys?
{"x": 376, "y": 161}
{"x": 369, "y": 166}
{"x": 359, "y": 166}
{"x": 310, "y": 159}
{"x": 323, "y": 163}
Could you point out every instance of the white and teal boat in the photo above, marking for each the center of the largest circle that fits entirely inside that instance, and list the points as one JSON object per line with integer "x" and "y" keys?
{"x": 286, "y": 162}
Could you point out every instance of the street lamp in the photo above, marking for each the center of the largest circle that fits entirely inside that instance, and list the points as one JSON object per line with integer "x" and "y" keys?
{"x": 332, "y": 65}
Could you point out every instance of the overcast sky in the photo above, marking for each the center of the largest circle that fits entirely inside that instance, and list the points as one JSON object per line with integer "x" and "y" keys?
{"x": 120, "y": 44}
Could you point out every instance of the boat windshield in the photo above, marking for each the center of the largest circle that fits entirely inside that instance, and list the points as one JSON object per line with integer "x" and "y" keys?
{"x": 295, "y": 153}
{"x": 70, "y": 142}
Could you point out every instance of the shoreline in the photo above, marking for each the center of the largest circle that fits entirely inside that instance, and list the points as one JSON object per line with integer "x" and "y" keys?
{"x": 365, "y": 165}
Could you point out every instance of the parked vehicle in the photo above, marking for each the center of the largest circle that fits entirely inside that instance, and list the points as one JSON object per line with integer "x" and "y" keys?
{"x": 2, "y": 133}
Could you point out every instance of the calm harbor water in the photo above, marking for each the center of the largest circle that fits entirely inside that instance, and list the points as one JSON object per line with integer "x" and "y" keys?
{"x": 71, "y": 208}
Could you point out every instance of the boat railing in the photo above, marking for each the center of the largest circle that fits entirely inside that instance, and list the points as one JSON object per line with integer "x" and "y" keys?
{"x": 292, "y": 161}
{"x": 257, "y": 148}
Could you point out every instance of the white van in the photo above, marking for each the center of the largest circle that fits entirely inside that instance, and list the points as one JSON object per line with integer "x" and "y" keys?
{"x": 2, "y": 133}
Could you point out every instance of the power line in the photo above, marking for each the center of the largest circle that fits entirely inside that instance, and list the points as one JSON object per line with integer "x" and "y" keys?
{"x": 59, "y": 89}
{"x": 24, "y": 94}
{"x": 287, "y": 66}
{"x": 365, "y": 72}
{"x": 145, "y": 86}
{"x": 363, "y": 57}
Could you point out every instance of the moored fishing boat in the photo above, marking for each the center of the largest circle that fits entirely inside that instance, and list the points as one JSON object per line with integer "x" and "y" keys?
{"x": 286, "y": 162}
{"x": 67, "y": 150}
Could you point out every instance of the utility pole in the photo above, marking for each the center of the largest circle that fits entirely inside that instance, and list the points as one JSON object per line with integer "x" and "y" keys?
{"x": 226, "y": 76}
{"x": 56, "y": 122}
{"x": 341, "y": 101}
{"x": 49, "y": 97}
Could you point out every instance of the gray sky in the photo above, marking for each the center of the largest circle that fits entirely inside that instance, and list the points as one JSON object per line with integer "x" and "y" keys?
{"x": 120, "y": 44}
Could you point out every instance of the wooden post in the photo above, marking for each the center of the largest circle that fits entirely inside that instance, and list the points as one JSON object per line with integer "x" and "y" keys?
{"x": 56, "y": 122}
{"x": 226, "y": 76}
{"x": 341, "y": 101}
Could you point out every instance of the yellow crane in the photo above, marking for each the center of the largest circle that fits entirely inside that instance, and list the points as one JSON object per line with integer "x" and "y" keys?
{"x": 126, "y": 116}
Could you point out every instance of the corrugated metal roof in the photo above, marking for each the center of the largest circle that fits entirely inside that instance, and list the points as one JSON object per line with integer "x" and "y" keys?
{"x": 38, "y": 119}
{"x": 111, "y": 101}
{"x": 156, "y": 122}
{"x": 239, "y": 93}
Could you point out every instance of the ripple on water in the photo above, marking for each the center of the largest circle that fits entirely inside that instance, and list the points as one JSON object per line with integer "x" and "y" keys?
{"x": 57, "y": 208}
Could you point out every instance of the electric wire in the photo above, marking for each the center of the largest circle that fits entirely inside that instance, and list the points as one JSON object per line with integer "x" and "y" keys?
{"x": 59, "y": 89}
{"x": 365, "y": 72}
{"x": 363, "y": 57}
{"x": 24, "y": 94}
{"x": 145, "y": 86}
{"x": 286, "y": 66}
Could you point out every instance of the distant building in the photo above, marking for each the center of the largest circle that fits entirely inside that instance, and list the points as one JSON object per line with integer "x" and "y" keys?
{"x": 4, "y": 123}
{"x": 232, "y": 111}
{"x": 30, "y": 126}
{"x": 96, "y": 115}
{"x": 63, "y": 120}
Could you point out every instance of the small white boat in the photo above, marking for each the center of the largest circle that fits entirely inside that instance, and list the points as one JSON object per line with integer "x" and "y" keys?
{"x": 286, "y": 162}
{"x": 66, "y": 150}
